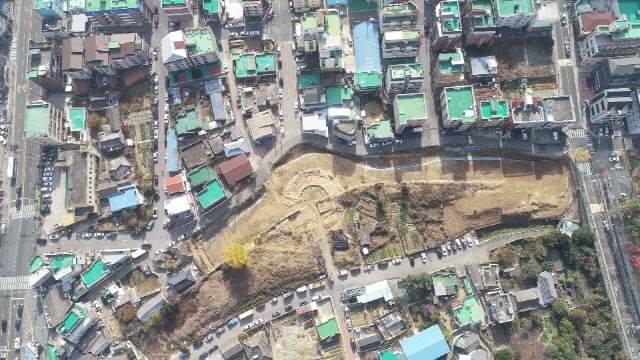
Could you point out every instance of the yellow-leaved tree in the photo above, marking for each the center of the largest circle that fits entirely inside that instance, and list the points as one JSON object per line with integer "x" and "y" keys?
{"x": 236, "y": 256}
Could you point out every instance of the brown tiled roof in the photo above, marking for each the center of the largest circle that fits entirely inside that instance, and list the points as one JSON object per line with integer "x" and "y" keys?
{"x": 72, "y": 54}
{"x": 594, "y": 19}
{"x": 236, "y": 169}
{"x": 97, "y": 49}
{"x": 128, "y": 42}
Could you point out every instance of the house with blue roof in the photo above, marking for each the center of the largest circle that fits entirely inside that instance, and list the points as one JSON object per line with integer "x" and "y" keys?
{"x": 366, "y": 44}
{"x": 428, "y": 344}
{"x": 336, "y": 3}
{"x": 127, "y": 198}
{"x": 174, "y": 163}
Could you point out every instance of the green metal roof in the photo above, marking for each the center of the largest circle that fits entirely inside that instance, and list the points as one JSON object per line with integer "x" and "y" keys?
{"x": 199, "y": 41}
{"x": 201, "y": 175}
{"x": 494, "y": 109}
{"x": 631, "y": 8}
{"x": 189, "y": 122}
{"x": 332, "y": 23}
{"x": 389, "y": 355}
{"x": 211, "y": 7}
{"x": 265, "y": 62}
{"x": 309, "y": 79}
{"x": 380, "y": 130}
{"x": 337, "y": 95}
{"x": 36, "y": 122}
{"x": 486, "y": 19}
{"x": 105, "y": 5}
{"x": 405, "y": 71}
{"x": 367, "y": 79}
{"x": 470, "y": 312}
{"x": 211, "y": 194}
{"x": 246, "y": 65}
{"x": 327, "y": 329}
{"x": 94, "y": 273}
{"x": 309, "y": 20}
{"x": 450, "y": 63}
{"x": 35, "y": 264}
{"x": 411, "y": 106}
{"x": 460, "y": 103}
{"x": 512, "y": 7}
{"x": 78, "y": 118}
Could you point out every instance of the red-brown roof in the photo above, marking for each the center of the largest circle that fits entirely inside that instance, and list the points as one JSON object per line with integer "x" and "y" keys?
{"x": 236, "y": 169}
{"x": 174, "y": 184}
{"x": 594, "y": 19}
{"x": 133, "y": 77}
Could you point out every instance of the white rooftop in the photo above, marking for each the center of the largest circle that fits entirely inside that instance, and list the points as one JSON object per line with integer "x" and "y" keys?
{"x": 375, "y": 291}
{"x": 314, "y": 124}
{"x": 173, "y": 47}
{"x": 178, "y": 205}
{"x": 486, "y": 65}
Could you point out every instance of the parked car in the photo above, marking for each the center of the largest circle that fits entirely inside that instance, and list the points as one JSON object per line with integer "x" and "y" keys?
{"x": 47, "y": 173}
{"x": 46, "y": 196}
{"x": 16, "y": 344}
{"x": 47, "y": 183}
{"x": 47, "y": 178}
{"x": 155, "y": 213}
{"x": 304, "y": 302}
{"x": 247, "y": 327}
{"x": 182, "y": 237}
{"x": 275, "y": 314}
{"x": 260, "y": 306}
{"x": 87, "y": 235}
{"x": 209, "y": 338}
{"x": 219, "y": 330}
{"x": 563, "y": 20}
{"x": 4, "y": 325}
{"x": 288, "y": 308}
{"x": 166, "y": 222}
{"x": 412, "y": 262}
{"x": 459, "y": 244}
{"x": 20, "y": 309}
{"x": 150, "y": 225}
{"x": 439, "y": 253}
{"x": 98, "y": 234}
{"x": 54, "y": 236}
{"x": 17, "y": 324}
{"x": 423, "y": 256}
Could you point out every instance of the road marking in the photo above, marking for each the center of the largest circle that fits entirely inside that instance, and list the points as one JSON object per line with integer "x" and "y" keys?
{"x": 14, "y": 283}
{"x": 566, "y": 62}
{"x": 585, "y": 168}
{"x": 576, "y": 133}
{"x": 25, "y": 212}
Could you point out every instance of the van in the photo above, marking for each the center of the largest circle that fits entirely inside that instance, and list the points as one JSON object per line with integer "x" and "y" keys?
{"x": 555, "y": 136}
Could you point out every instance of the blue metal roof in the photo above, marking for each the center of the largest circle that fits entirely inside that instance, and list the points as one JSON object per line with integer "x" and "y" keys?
{"x": 214, "y": 85}
{"x": 366, "y": 42}
{"x": 428, "y": 344}
{"x": 173, "y": 158}
{"x": 128, "y": 198}
{"x": 217, "y": 105}
{"x": 336, "y": 2}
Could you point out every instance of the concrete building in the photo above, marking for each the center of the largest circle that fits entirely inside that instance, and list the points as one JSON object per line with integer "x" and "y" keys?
{"x": 405, "y": 78}
{"x": 619, "y": 39}
{"x": 106, "y": 55}
{"x": 479, "y": 22}
{"x": 535, "y": 112}
{"x": 252, "y": 8}
{"x": 315, "y": 124}
{"x": 588, "y": 22}
{"x": 447, "y": 34}
{"x": 458, "y": 106}
{"x": 49, "y": 9}
{"x": 313, "y": 98}
{"x": 493, "y": 112}
{"x": 118, "y": 13}
{"x": 307, "y": 5}
{"x": 82, "y": 168}
{"x": 483, "y": 67}
{"x": 610, "y": 106}
{"x": 400, "y": 44}
{"x": 330, "y": 43}
{"x": 515, "y": 14}
{"x": 398, "y": 16}
{"x": 616, "y": 73}
{"x": 178, "y": 10}
{"x": 45, "y": 124}
{"x": 450, "y": 69}
{"x": 345, "y": 129}
{"x": 410, "y": 111}
{"x": 379, "y": 132}
{"x": 261, "y": 127}
{"x": 188, "y": 48}
{"x": 44, "y": 66}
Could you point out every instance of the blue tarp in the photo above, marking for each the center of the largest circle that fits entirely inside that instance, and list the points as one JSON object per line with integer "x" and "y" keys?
{"x": 428, "y": 344}
{"x": 336, "y": 2}
{"x": 173, "y": 159}
{"x": 128, "y": 198}
{"x": 217, "y": 105}
{"x": 366, "y": 42}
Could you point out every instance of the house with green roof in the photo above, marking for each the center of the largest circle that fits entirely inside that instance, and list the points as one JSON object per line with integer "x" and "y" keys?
{"x": 403, "y": 78}
{"x": 339, "y": 95}
{"x": 458, "y": 106}
{"x": 49, "y": 9}
{"x": 410, "y": 111}
{"x": 118, "y": 13}
{"x": 515, "y": 14}
{"x": 189, "y": 123}
{"x": 44, "y": 123}
{"x": 468, "y": 312}
{"x": 398, "y": 16}
{"x": 327, "y": 329}
{"x": 448, "y": 31}
{"x": 211, "y": 9}
{"x": 201, "y": 175}
{"x": 493, "y": 112}
{"x": 177, "y": 10}
{"x": 330, "y": 44}
{"x": 212, "y": 194}
{"x": 620, "y": 38}
{"x": 400, "y": 44}
{"x": 450, "y": 69}
{"x": 379, "y": 132}
{"x": 248, "y": 66}
{"x": 367, "y": 81}
{"x": 308, "y": 79}
{"x": 479, "y": 22}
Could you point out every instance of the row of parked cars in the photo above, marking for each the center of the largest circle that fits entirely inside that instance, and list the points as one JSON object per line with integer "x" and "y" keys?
{"x": 453, "y": 246}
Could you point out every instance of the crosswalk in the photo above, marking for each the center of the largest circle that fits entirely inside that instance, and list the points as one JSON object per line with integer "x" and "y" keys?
{"x": 25, "y": 212}
{"x": 585, "y": 168}
{"x": 575, "y": 133}
{"x": 14, "y": 283}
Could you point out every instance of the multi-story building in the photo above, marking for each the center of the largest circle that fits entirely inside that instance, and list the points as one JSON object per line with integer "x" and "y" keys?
{"x": 252, "y": 7}
{"x": 73, "y": 62}
{"x": 404, "y": 78}
{"x": 615, "y": 73}
{"x": 49, "y": 9}
{"x": 450, "y": 69}
{"x": 515, "y": 14}
{"x": 330, "y": 49}
{"x": 379, "y": 132}
{"x": 448, "y": 31}
{"x": 633, "y": 120}
{"x": 588, "y": 22}
{"x": 211, "y": 10}
{"x": 410, "y": 111}
{"x": 44, "y": 66}
{"x": 44, "y": 124}
{"x": 398, "y": 16}
{"x": 479, "y": 22}
{"x": 184, "y": 49}
{"x": 366, "y": 44}
{"x": 621, "y": 38}
{"x": 535, "y": 112}
{"x": 458, "y": 106}
{"x": 118, "y": 13}
{"x": 306, "y": 5}
{"x": 400, "y": 44}
{"x": 308, "y": 31}
{"x": 610, "y": 105}
{"x": 483, "y": 67}
{"x": 493, "y": 112}
{"x": 178, "y": 10}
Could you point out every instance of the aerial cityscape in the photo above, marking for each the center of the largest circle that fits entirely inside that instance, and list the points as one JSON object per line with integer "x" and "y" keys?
{"x": 320, "y": 179}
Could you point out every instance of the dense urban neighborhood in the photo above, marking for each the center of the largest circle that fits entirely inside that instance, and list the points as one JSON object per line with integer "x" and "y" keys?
{"x": 309, "y": 179}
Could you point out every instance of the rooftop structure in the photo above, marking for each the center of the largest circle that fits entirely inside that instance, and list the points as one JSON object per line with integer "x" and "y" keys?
{"x": 49, "y": 9}
{"x": 212, "y": 194}
{"x": 399, "y": 44}
{"x": 367, "y": 81}
{"x": 127, "y": 198}
{"x": 315, "y": 125}
{"x": 468, "y": 312}
{"x": 479, "y": 22}
{"x": 330, "y": 45}
{"x": 501, "y": 308}
{"x": 306, "y": 5}
{"x": 514, "y": 13}
{"x": 410, "y": 110}
{"x": 211, "y": 9}
{"x": 261, "y": 126}
{"x": 447, "y": 34}
{"x": 44, "y": 65}
{"x": 82, "y": 165}
{"x": 428, "y": 344}
{"x": 96, "y": 272}
{"x": 44, "y": 123}
{"x": 189, "y": 48}
{"x": 345, "y": 129}
{"x": 339, "y": 95}
{"x": 403, "y": 78}
{"x": 200, "y": 176}
{"x": 588, "y": 22}
{"x": 458, "y": 107}
{"x": 189, "y": 122}
{"x": 307, "y": 79}
{"x": 493, "y": 112}
{"x": 313, "y": 98}
{"x": 398, "y": 16}
{"x": 485, "y": 66}
{"x": 618, "y": 39}
{"x": 179, "y": 207}
{"x": 537, "y": 112}
{"x": 77, "y": 118}
{"x": 327, "y": 329}
{"x": 450, "y": 69}
{"x": 445, "y": 283}
{"x": 379, "y": 132}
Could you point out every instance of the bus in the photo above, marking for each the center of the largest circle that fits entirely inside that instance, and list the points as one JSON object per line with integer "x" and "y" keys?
{"x": 11, "y": 169}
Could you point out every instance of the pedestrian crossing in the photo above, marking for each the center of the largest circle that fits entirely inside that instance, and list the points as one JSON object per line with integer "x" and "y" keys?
{"x": 14, "y": 283}
{"x": 575, "y": 133}
{"x": 25, "y": 212}
{"x": 585, "y": 168}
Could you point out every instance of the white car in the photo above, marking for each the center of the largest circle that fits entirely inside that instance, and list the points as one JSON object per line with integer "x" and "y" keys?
{"x": 47, "y": 183}
{"x": 444, "y": 250}
{"x": 16, "y": 344}
{"x": 98, "y": 234}
{"x": 166, "y": 108}
{"x": 423, "y": 256}
{"x": 3, "y": 141}
{"x": 155, "y": 157}
{"x": 87, "y": 235}
{"x": 46, "y": 196}
{"x": 54, "y": 236}
{"x": 47, "y": 178}
{"x": 182, "y": 237}
{"x": 316, "y": 297}
{"x": 48, "y": 169}
{"x": 155, "y": 134}
{"x": 45, "y": 189}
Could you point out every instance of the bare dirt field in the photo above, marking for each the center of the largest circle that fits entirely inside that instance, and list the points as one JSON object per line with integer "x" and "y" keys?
{"x": 313, "y": 194}
{"x": 532, "y": 58}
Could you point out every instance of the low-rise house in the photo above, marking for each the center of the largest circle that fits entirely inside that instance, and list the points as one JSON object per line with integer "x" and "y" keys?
{"x": 150, "y": 307}
{"x": 483, "y": 67}
{"x": 175, "y": 185}
{"x": 410, "y": 111}
{"x": 445, "y": 283}
{"x": 261, "y": 127}
{"x": 212, "y": 194}
{"x": 369, "y": 343}
{"x": 181, "y": 281}
{"x": 196, "y": 154}
{"x": 588, "y": 22}
{"x": 379, "y": 132}
{"x": 313, "y": 98}
{"x": 232, "y": 350}
{"x": 189, "y": 123}
{"x": 313, "y": 124}
{"x": 236, "y": 169}
{"x": 535, "y": 112}
{"x": 125, "y": 199}
{"x": 374, "y": 292}
{"x": 428, "y": 344}
{"x": 257, "y": 347}
{"x": 536, "y": 297}
{"x": 179, "y": 207}
{"x": 119, "y": 168}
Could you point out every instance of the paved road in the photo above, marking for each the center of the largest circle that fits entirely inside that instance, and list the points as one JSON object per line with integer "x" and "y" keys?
{"x": 393, "y": 273}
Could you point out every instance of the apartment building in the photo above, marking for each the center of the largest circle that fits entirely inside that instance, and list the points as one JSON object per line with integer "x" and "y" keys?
{"x": 493, "y": 112}
{"x": 619, "y": 39}
{"x": 448, "y": 31}
{"x": 44, "y": 124}
{"x": 49, "y": 9}
{"x": 404, "y": 78}
{"x": 307, "y": 5}
{"x": 458, "y": 106}
{"x": 178, "y": 10}
{"x": 515, "y": 14}
{"x": 330, "y": 46}
{"x": 44, "y": 66}
{"x": 479, "y": 22}
{"x": 616, "y": 73}
{"x": 184, "y": 49}
{"x": 610, "y": 105}
{"x": 118, "y": 13}
{"x": 398, "y": 16}
{"x": 400, "y": 44}
{"x": 252, "y": 7}
{"x": 410, "y": 111}
{"x": 542, "y": 112}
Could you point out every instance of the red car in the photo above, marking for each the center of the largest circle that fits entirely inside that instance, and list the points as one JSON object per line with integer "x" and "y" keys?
{"x": 260, "y": 306}
{"x": 170, "y": 225}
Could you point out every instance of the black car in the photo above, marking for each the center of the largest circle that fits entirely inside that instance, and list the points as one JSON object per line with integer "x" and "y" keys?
{"x": 18, "y": 322}
{"x": 20, "y": 308}
{"x": 4, "y": 325}
{"x": 275, "y": 314}
{"x": 439, "y": 253}
{"x": 155, "y": 179}
{"x": 288, "y": 308}
{"x": 19, "y": 189}
{"x": 303, "y": 302}
{"x": 411, "y": 261}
